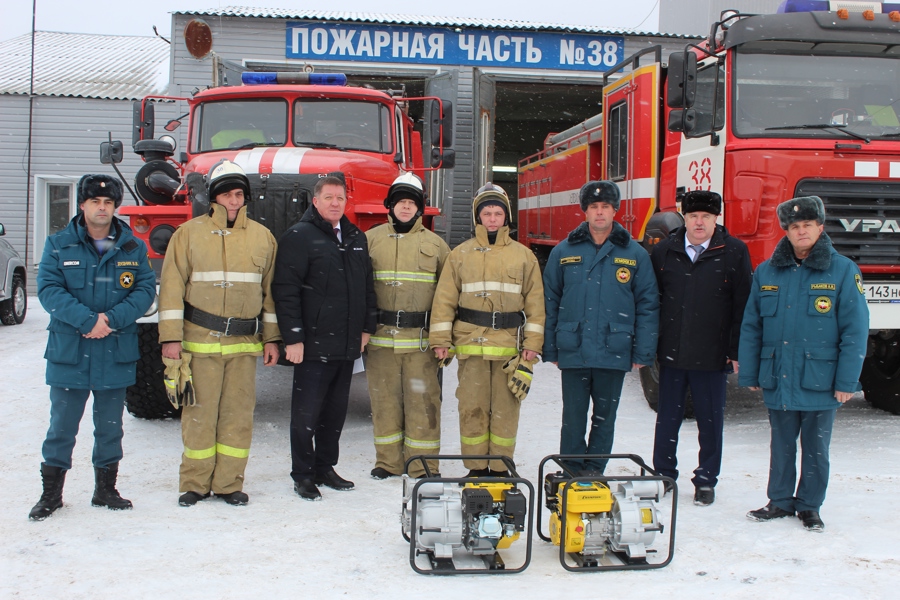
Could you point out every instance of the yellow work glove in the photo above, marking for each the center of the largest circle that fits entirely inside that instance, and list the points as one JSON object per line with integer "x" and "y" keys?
{"x": 520, "y": 374}
{"x": 186, "y": 387}
{"x": 172, "y": 379}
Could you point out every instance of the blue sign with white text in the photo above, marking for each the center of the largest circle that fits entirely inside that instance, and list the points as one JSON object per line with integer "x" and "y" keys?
{"x": 422, "y": 45}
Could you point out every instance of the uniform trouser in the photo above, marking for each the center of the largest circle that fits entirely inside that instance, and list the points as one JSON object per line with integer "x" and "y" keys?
{"x": 579, "y": 387}
{"x": 406, "y": 408}
{"x": 318, "y": 410}
{"x": 708, "y": 395}
{"x": 814, "y": 429}
{"x": 218, "y": 429}
{"x": 488, "y": 412}
{"x": 67, "y": 408}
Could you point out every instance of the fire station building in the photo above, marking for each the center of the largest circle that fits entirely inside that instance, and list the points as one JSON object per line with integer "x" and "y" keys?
{"x": 511, "y": 84}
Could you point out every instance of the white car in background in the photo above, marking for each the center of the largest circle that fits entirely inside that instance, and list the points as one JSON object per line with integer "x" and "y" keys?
{"x": 13, "y": 300}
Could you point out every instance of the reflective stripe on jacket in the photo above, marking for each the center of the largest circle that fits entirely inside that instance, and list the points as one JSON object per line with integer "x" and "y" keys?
{"x": 502, "y": 277}
{"x": 406, "y": 267}
{"x": 223, "y": 271}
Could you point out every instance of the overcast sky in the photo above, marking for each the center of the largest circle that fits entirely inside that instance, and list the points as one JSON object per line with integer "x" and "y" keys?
{"x": 132, "y": 17}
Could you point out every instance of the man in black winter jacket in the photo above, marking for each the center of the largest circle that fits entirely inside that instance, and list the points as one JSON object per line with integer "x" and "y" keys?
{"x": 704, "y": 280}
{"x": 325, "y": 302}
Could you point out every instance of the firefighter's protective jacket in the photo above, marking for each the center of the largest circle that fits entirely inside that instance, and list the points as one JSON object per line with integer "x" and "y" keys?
{"x": 223, "y": 271}
{"x": 407, "y": 267}
{"x": 501, "y": 277}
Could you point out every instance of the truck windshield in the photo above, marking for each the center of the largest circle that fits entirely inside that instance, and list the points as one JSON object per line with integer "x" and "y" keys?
{"x": 345, "y": 124}
{"x": 816, "y": 96}
{"x": 234, "y": 124}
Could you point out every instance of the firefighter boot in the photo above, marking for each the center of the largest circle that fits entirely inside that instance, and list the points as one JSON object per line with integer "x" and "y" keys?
{"x": 105, "y": 492}
{"x": 51, "y": 499}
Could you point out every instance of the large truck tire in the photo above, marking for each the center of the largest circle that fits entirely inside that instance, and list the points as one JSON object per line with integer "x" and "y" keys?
{"x": 880, "y": 380}
{"x": 650, "y": 383}
{"x": 147, "y": 398}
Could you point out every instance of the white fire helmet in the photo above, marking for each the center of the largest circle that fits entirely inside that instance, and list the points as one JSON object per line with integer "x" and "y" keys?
{"x": 225, "y": 176}
{"x": 408, "y": 186}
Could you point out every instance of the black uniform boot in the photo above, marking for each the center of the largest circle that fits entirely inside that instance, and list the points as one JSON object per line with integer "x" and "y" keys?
{"x": 105, "y": 492}
{"x": 51, "y": 499}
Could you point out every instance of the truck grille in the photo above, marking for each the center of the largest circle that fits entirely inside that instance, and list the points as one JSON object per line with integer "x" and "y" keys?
{"x": 862, "y": 218}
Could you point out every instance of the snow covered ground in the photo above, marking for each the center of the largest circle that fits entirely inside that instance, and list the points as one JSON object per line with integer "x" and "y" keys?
{"x": 350, "y": 544}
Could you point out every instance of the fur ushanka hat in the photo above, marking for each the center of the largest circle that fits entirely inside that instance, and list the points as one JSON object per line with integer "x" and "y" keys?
{"x": 599, "y": 191}
{"x": 805, "y": 208}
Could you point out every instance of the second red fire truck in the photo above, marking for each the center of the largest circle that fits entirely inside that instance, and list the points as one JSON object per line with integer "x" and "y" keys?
{"x": 768, "y": 108}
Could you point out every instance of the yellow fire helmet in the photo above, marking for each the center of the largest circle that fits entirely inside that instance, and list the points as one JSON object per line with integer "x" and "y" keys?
{"x": 493, "y": 194}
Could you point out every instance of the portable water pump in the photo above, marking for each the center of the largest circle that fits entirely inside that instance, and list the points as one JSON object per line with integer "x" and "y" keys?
{"x": 460, "y": 524}
{"x": 605, "y": 523}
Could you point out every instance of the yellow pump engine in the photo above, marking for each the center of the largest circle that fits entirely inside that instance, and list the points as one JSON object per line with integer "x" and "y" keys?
{"x": 605, "y": 523}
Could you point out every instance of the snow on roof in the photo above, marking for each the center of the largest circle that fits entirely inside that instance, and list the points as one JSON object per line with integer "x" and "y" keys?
{"x": 394, "y": 19}
{"x": 85, "y": 65}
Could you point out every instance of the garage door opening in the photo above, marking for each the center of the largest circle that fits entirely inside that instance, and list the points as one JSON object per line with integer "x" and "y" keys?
{"x": 526, "y": 113}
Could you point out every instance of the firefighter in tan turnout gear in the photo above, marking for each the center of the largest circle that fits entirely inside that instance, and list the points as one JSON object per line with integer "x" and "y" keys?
{"x": 401, "y": 369}
{"x": 489, "y": 305}
{"x": 216, "y": 314}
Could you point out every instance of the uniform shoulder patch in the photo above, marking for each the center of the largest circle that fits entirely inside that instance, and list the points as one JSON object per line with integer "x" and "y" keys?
{"x": 823, "y": 286}
{"x": 625, "y": 261}
{"x": 129, "y": 246}
{"x": 768, "y": 288}
{"x": 859, "y": 284}
{"x": 570, "y": 260}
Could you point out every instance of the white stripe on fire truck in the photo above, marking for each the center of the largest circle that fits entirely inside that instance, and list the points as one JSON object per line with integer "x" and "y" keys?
{"x": 287, "y": 160}
{"x": 641, "y": 188}
{"x": 249, "y": 160}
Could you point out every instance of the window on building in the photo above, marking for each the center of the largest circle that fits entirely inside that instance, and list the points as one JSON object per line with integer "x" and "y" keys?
{"x": 59, "y": 201}
{"x": 54, "y": 207}
{"x": 617, "y": 142}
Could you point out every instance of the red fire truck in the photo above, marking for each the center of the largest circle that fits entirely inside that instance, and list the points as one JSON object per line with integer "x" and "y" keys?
{"x": 768, "y": 108}
{"x": 286, "y": 130}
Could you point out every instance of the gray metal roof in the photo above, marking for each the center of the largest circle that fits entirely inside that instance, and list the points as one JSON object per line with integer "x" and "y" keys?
{"x": 392, "y": 19}
{"x": 85, "y": 65}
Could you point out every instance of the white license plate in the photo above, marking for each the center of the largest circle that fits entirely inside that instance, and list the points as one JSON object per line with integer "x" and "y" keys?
{"x": 880, "y": 293}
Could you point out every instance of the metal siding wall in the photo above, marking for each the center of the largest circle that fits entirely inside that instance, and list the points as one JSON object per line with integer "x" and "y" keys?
{"x": 66, "y": 134}
{"x": 13, "y": 161}
{"x": 460, "y": 206}
{"x": 694, "y": 17}
{"x": 234, "y": 39}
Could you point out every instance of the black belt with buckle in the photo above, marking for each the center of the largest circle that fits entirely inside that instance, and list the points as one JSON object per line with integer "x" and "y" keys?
{"x": 402, "y": 319}
{"x": 494, "y": 320}
{"x": 227, "y": 326}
